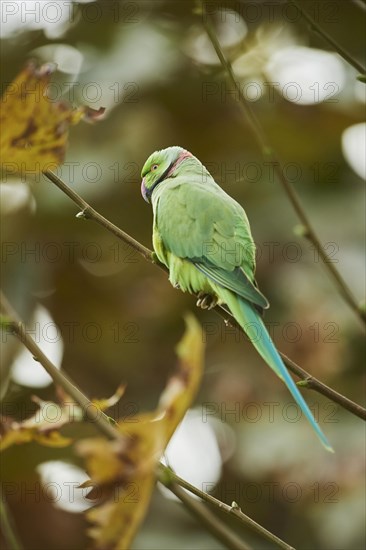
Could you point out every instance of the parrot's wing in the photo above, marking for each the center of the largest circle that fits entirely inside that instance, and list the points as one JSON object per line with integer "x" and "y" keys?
{"x": 235, "y": 280}
{"x": 205, "y": 225}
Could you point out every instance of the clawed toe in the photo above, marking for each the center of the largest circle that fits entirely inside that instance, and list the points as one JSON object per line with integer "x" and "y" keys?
{"x": 213, "y": 302}
{"x": 206, "y": 301}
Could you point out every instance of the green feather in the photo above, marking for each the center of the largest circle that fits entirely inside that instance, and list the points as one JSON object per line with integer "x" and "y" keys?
{"x": 203, "y": 236}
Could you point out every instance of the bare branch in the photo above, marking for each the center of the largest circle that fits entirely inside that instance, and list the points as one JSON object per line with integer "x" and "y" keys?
{"x": 7, "y": 526}
{"x": 87, "y": 212}
{"x": 337, "y": 47}
{"x": 233, "y": 510}
{"x": 315, "y": 384}
{"x": 102, "y": 423}
{"x": 269, "y": 153}
{"x": 217, "y": 528}
{"x": 307, "y": 380}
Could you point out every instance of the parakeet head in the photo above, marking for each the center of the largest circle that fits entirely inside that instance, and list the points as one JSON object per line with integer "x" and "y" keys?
{"x": 159, "y": 166}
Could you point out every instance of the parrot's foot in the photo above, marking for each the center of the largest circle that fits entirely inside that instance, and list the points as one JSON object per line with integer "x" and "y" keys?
{"x": 206, "y": 301}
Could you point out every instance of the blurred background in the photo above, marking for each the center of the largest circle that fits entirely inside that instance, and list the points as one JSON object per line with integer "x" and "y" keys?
{"x": 108, "y": 317}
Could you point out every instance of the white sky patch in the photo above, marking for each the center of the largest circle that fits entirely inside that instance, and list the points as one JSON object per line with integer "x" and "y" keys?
{"x": 68, "y": 59}
{"x": 193, "y": 453}
{"x": 354, "y": 148}
{"x": 15, "y": 196}
{"x": 25, "y": 370}
{"x": 360, "y": 91}
{"x": 306, "y": 75}
{"x": 60, "y": 483}
{"x": 53, "y": 17}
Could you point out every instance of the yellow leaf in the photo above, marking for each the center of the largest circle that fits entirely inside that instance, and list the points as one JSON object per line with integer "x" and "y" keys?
{"x": 17, "y": 436}
{"x": 125, "y": 470}
{"x": 182, "y": 388}
{"x": 104, "y": 404}
{"x": 34, "y": 127}
{"x": 52, "y": 439}
{"x": 42, "y": 427}
{"x": 102, "y": 456}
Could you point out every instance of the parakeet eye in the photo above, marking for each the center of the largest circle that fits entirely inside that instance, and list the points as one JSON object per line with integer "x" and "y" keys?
{"x": 154, "y": 167}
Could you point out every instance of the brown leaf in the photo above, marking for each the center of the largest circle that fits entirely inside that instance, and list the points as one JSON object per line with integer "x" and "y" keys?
{"x": 38, "y": 427}
{"x": 35, "y": 128}
{"x": 42, "y": 427}
{"x": 125, "y": 470}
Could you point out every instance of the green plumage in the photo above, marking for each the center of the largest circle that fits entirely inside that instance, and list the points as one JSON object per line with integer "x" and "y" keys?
{"x": 203, "y": 236}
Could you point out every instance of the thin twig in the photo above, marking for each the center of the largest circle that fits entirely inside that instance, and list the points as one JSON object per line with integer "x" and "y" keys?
{"x": 233, "y": 510}
{"x": 7, "y": 526}
{"x": 269, "y": 153}
{"x": 307, "y": 380}
{"x": 88, "y": 212}
{"x": 211, "y": 521}
{"x": 90, "y": 411}
{"x": 318, "y": 386}
{"x": 337, "y": 47}
{"x": 360, "y": 4}
{"x": 101, "y": 422}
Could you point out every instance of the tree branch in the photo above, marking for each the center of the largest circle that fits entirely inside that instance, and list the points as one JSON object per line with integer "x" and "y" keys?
{"x": 92, "y": 413}
{"x": 87, "y": 212}
{"x": 337, "y": 47}
{"x": 232, "y": 510}
{"x": 315, "y": 384}
{"x": 269, "y": 153}
{"x": 9, "y": 534}
{"x": 306, "y": 379}
{"x": 165, "y": 474}
{"x": 102, "y": 423}
{"x": 360, "y": 4}
{"x": 218, "y": 529}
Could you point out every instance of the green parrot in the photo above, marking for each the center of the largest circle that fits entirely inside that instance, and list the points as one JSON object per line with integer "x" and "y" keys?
{"x": 203, "y": 236}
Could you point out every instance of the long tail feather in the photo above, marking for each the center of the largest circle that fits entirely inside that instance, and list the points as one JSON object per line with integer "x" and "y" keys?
{"x": 252, "y": 324}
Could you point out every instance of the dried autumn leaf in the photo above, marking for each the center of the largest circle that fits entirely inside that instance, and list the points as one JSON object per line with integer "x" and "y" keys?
{"x": 34, "y": 127}
{"x": 42, "y": 427}
{"x": 104, "y": 404}
{"x": 124, "y": 470}
{"x": 183, "y": 386}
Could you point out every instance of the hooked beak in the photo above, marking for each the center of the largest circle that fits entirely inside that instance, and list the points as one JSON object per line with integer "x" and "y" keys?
{"x": 144, "y": 192}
